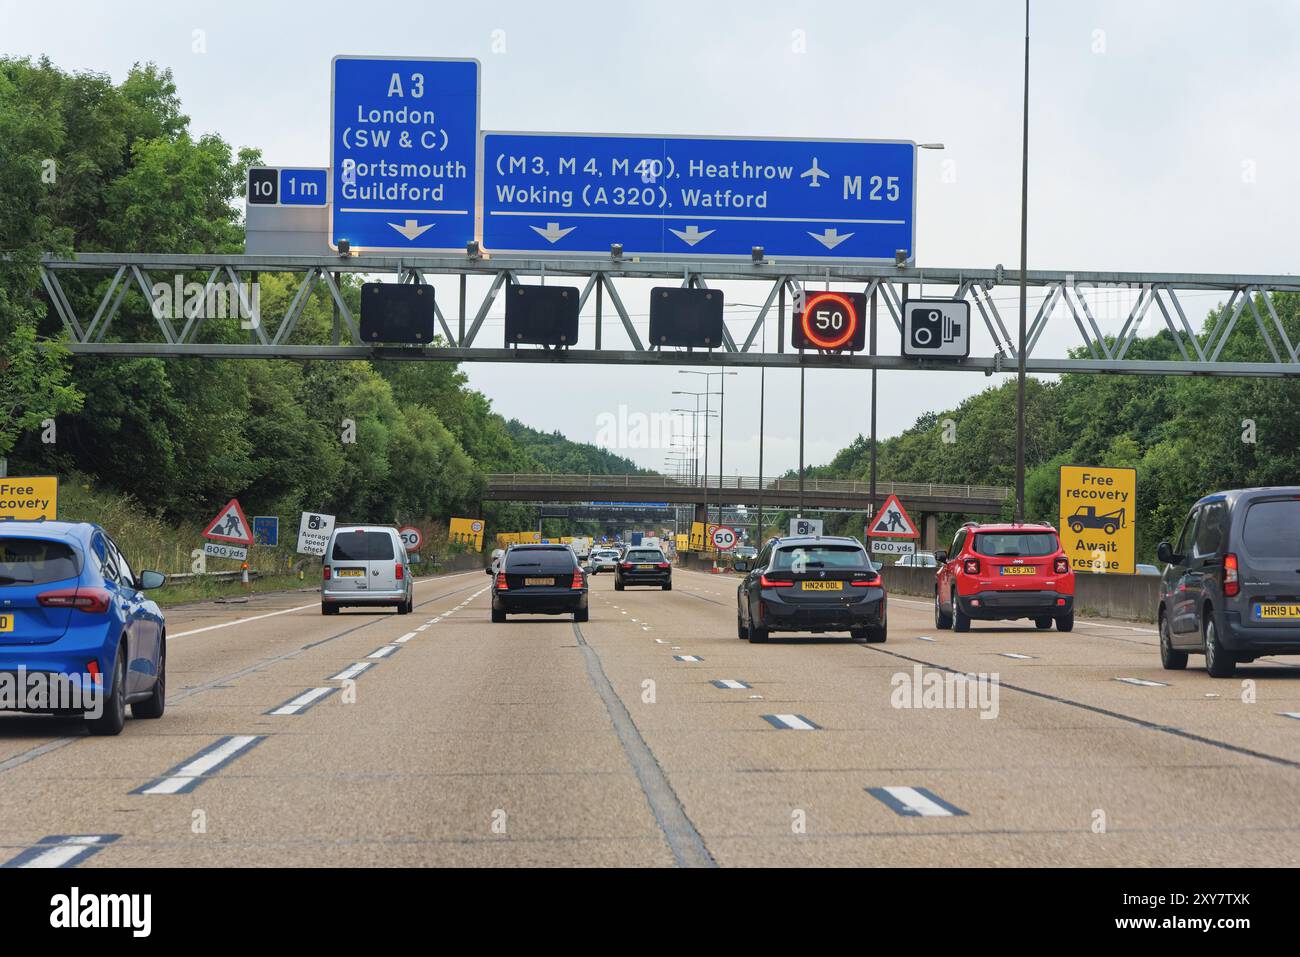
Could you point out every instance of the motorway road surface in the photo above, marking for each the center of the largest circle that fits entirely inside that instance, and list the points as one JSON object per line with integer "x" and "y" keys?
{"x": 538, "y": 742}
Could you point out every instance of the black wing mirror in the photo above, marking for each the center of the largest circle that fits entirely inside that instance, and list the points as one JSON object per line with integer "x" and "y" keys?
{"x": 150, "y": 580}
{"x": 1166, "y": 554}
{"x": 941, "y": 557}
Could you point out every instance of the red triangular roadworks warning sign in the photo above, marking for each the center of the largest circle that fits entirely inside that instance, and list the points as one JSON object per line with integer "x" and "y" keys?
{"x": 230, "y": 525}
{"x": 892, "y": 521}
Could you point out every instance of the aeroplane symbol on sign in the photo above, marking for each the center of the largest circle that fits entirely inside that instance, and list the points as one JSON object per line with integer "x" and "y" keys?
{"x": 814, "y": 173}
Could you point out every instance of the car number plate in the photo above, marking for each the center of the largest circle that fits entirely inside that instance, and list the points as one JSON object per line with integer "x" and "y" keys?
{"x": 1287, "y": 611}
{"x": 823, "y": 586}
{"x": 350, "y": 572}
{"x": 1018, "y": 569}
{"x": 539, "y": 581}
{"x": 6, "y": 623}
{"x": 644, "y": 568}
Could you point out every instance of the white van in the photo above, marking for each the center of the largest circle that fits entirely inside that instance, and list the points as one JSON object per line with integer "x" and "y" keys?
{"x": 366, "y": 565}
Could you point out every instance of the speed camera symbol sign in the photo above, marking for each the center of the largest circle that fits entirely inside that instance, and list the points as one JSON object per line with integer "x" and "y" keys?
{"x": 936, "y": 328}
{"x": 724, "y": 539}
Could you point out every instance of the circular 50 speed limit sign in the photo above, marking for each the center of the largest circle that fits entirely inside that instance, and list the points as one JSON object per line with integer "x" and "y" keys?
{"x": 724, "y": 539}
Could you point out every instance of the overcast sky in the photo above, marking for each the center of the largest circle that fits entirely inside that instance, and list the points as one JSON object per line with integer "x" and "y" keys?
{"x": 1163, "y": 136}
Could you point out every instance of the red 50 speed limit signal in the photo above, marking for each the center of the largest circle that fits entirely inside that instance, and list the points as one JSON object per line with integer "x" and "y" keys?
{"x": 831, "y": 322}
{"x": 724, "y": 539}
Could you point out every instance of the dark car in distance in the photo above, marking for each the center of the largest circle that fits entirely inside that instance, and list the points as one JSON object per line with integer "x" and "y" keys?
{"x": 1231, "y": 585}
{"x": 644, "y": 566}
{"x": 539, "y": 580}
{"x": 813, "y": 584}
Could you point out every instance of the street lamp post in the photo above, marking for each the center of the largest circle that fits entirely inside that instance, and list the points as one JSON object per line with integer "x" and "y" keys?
{"x": 721, "y": 433}
{"x": 1024, "y": 265}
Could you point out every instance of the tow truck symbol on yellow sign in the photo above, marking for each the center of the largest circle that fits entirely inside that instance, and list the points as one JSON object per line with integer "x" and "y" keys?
{"x": 1086, "y": 517}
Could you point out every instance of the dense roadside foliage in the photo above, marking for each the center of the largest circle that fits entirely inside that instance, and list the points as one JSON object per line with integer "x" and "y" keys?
{"x": 88, "y": 165}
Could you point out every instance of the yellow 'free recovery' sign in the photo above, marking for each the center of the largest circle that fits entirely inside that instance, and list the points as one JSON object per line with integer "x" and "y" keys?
{"x": 1098, "y": 520}
{"x": 29, "y": 499}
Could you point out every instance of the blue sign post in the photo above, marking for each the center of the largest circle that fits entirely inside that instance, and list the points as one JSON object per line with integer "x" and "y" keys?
{"x": 266, "y": 530}
{"x": 404, "y": 153}
{"x": 699, "y": 196}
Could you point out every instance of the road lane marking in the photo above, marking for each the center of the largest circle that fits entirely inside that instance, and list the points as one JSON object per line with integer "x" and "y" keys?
{"x": 384, "y": 652}
{"x": 687, "y": 658}
{"x": 915, "y": 802}
{"x": 729, "y": 683}
{"x": 1143, "y": 682}
{"x": 1106, "y": 712}
{"x": 303, "y": 701}
{"x": 684, "y": 840}
{"x": 924, "y": 638}
{"x": 353, "y": 671}
{"x": 61, "y": 850}
{"x": 1290, "y": 714}
{"x": 282, "y": 611}
{"x": 1012, "y": 654}
{"x": 404, "y": 639}
{"x": 188, "y": 775}
{"x": 791, "y": 722}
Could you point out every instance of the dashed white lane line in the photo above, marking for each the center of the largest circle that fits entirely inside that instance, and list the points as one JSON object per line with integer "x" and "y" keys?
{"x": 1290, "y": 714}
{"x": 353, "y": 671}
{"x": 687, "y": 658}
{"x": 272, "y": 614}
{"x": 404, "y": 638}
{"x": 1012, "y": 654}
{"x": 61, "y": 850}
{"x": 304, "y": 701}
{"x": 729, "y": 683}
{"x": 1090, "y": 622}
{"x": 924, "y": 638}
{"x": 186, "y": 777}
{"x": 383, "y": 652}
{"x": 791, "y": 722}
{"x": 915, "y": 802}
{"x": 1143, "y": 682}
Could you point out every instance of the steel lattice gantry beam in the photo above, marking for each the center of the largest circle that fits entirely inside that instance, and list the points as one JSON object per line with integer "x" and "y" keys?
{"x": 1068, "y": 299}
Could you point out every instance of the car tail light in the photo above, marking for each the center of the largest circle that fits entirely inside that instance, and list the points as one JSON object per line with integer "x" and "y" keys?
{"x": 501, "y": 582}
{"x": 869, "y": 580}
{"x": 93, "y": 601}
{"x": 766, "y": 582}
{"x": 399, "y": 571}
{"x": 92, "y": 669}
{"x": 325, "y": 573}
{"x": 664, "y": 565}
{"x": 625, "y": 565}
{"x": 971, "y": 566}
{"x": 1061, "y": 566}
{"x": 1231, "y": 584}
{"x": 577, "y": 579}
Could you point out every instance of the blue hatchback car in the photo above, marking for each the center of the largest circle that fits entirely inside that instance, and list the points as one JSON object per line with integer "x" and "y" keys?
{"x": 74, "y": 612}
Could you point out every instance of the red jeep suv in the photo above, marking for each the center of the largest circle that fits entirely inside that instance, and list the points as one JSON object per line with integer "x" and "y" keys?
{"x": 1002, "y": 573}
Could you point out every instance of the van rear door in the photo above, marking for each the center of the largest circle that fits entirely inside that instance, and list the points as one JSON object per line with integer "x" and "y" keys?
{"x": 1269, "y": 562}
{"x": 350, "y": 561}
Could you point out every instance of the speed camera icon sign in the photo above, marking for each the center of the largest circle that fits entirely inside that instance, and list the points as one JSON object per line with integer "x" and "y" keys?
{"x": 936, "y": 328}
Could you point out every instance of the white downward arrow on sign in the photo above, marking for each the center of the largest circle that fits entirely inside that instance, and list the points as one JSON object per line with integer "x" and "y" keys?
{"x": 411, "y": 229}
{"x": 691, "y": 234}
{"x": 831, "y": 238}
{"x": 552, "y": 233}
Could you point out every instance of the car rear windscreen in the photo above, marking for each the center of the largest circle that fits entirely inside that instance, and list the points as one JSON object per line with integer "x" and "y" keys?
{"x": 362, "y": 547}
{"x": 1015, "y": 544}
{"x": 644, "y": 555}
{"x": 1272, "y": 529}
{"x": 35, "y": 561}
{"x": 545, "y": 560}
{"x": 821, "y": 556}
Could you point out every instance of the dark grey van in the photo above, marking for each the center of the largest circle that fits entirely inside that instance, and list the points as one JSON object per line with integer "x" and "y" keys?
{"x": 1231, "y": 585}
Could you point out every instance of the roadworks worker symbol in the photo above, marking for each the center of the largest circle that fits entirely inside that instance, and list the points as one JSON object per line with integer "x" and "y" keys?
{"x": 230, "y": 525}
{"x": 893, "y": 521}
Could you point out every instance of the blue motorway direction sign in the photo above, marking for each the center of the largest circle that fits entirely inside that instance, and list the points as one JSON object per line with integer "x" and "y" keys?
{"x": 288, "y": 186}
{"x": 266, "y": 530}
{"x": 699, "y": 196}
{"x": 404, "y": 145}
